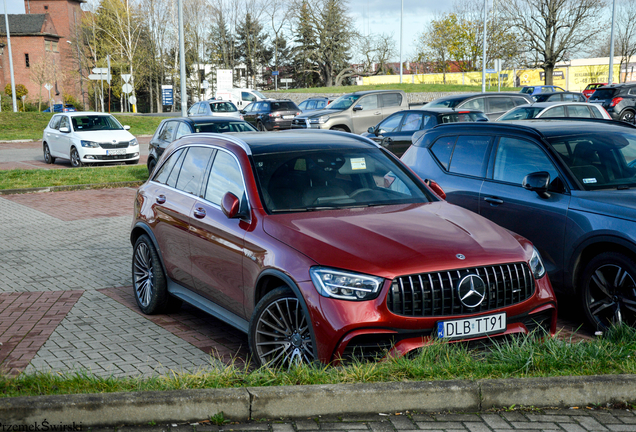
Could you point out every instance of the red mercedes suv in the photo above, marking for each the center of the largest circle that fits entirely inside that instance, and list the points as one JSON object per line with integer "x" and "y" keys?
{"x": 321, "y": 245}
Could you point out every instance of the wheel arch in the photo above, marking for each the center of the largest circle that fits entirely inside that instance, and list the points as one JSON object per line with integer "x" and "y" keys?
{"x": 341, "y": 126}
{"x": 140, "y": 229}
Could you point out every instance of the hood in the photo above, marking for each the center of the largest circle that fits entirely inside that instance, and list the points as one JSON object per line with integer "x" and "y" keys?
{"x": 105, "y": 136}
{"x": 614, "y": 203}
{"x": 318, "y": 113}
{"x": 395, "y": 240}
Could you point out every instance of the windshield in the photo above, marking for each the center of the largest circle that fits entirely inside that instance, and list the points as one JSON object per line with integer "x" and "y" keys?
{"x": 462, "y": 117}
{"x": 444, "y": 103}
{"x": 527, "y": 90}
{"x": 600, "y": 161}
{"x": 222, "y": 127}
{"x": 309, "y": 180}
{"x": 259, "y": 94}
{"x": 95, "y": 123}
{"x": 343, "y": 102}
{"x": 520, "y": 113}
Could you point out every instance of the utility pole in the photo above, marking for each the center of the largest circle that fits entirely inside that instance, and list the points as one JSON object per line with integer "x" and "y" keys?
{"x": 6, "y": 22}
{"x": 610, "y": 77}
{"x": 401, "y": 33}
{"x": 483, "y": 58}
{"x": 182, "y": 72}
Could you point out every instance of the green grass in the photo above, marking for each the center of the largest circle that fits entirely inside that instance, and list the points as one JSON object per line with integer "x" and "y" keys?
{"x": 19, "y": 179}
{"x": 408, "y": 88}
{"x": 614, "y": 353}
{"x": 28, "y": 126}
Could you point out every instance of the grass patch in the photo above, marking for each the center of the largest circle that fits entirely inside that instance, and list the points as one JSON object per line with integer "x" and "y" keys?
{"x": 19, "y": 179}
{"x": 28, "y": 126}
{"x": 519, "y": 357}
{"x": 408, "y": 88}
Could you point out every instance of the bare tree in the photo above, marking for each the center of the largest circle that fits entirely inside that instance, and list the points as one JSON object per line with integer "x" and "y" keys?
{"x": 45, "y": 71}
{"x": 373, "y": 53}
{"x": 551, "y": 28}
{"x": 279, "y": 13}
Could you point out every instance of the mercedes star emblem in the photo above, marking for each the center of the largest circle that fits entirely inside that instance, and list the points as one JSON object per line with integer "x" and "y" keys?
{"x": 471, "y": 290}
{"x": 460, "y": 256}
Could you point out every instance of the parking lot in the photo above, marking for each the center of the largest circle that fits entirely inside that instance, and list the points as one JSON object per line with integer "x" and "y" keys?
{"x": 66, "y": 300}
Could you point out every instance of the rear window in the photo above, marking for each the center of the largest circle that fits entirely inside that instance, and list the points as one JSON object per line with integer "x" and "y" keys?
{"x": 445, "y": 103}
{"x": 604, "y": 94}
{"x": 222, "y": 127}
{"x": 527, "y": 90}
{"x": 284, "y": 106}
{"x": 462, "y": 117}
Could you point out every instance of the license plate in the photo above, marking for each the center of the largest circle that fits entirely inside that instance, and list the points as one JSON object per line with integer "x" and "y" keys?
{"x": 287, "y": 117}
{"x": 115, "y": 152}
{"x": 471, "y": 327}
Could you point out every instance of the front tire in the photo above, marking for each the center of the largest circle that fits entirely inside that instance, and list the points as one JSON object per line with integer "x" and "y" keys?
{"x": 149, "y": 282}
{"x": 47, "y": 154}
{"x": 280, "y": 333}
{"x": 151, "y": 165}
{"x": 261, "y": 127}
{"x": 608, "y": 291}
{"x": 76, "y": 161}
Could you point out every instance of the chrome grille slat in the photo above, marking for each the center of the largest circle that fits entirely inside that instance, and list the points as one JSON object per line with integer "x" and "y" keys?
{"x": 506, "y": 284}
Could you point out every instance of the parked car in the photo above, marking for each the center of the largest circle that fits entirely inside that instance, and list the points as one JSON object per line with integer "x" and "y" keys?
{"x": 590, "y": 88}
{"x": 560, "y": 96}
{"x": 271, "y": 114}
{"x": 61, "y": 108}
{"x": 618, "y": 99}
{"x": 214, "y": 108}
{"x": 556, "y": 110}
{"x": 354, "y": 112}
{"x": 172, "y": 129}
{"x": 322, "y": 246}
{"x": 315, "y": 103}
{"x": 240, "y": 97}
{"x": 395, "y": 131}
{"x": 88, "y": 137}
{"x": 535, "y": 90}
{"x": 569, "y": 186}
{"x": 492, "y": 104}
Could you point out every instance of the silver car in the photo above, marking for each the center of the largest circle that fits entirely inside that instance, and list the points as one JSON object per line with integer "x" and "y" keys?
{"x": 214, "y": 108}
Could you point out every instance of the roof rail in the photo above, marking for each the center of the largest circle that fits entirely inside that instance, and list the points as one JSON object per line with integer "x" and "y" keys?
{"x": 227, "y": 137}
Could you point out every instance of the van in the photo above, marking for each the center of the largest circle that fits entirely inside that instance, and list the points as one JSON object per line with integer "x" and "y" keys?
{"x": 241, "y": 97}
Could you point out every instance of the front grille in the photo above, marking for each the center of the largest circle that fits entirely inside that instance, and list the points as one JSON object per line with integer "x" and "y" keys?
{"x": 114, "y": 157}
{"x": 435, "y": 294}
{"x": 120, "y": 144}
{"x": 300, "y": 123}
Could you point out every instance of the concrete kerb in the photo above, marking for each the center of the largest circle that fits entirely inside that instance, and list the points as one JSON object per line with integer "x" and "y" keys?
{"x": 243, "y": 404}
{"x": 71, "y": 187}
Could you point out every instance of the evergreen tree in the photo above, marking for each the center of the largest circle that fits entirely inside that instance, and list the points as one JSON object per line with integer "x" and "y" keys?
{"x": 252, "y": 49}
{"x": 304, "y": 65}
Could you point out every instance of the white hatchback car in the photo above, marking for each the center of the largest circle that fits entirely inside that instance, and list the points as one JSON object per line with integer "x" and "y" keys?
{"x": 556, "y": 110}
{"x": 214, "y": 108}
{"x": 88, "y": 137}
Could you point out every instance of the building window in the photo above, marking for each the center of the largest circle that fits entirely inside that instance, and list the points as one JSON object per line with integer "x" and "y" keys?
{"x": 46, "y": 8}
{"x": 47, "y": 45}
{"x": 26, "y": 60}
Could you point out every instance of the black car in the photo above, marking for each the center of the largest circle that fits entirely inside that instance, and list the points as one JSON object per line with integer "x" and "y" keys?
{"x": 172, "y": 129}
{"x": 492, "y": 104}
{"x": 560, "y": 96}
{"x": 395, "y": 132}
{"x": 618, "y": 99}
{"x": 270, "y": 115}
{"x": 567, "y": 186}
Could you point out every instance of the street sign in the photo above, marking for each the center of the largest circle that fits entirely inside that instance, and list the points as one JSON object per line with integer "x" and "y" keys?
{"x": 205, "y": 84}
{"x": 126, "y": 88}
{"x": 286, "y": 80}
{"x": 132, "y": 100}
{"x": 48, "y": 86}
{"x": 126, "y": 77}
{"x": 274, "y": 73}
{"x": 100, "y": 70}
{"x": 98, "y": 77}
{"x": 490, "y": 71}
{"x": 166, "y": 95}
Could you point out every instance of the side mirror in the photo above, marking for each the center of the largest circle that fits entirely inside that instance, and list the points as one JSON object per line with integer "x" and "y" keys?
{"x": 242, "y": 111}
{"x": 357, "y": 108}
{"x": 230, "y": 205}
{"x": 371, "y": 130}
{"x": 64, "y": 129}
{"x": 435, "y": 187}
{"x": 537, "y": 182}
{"x": 126, "y": 127}
{"x": 386, "y": 141}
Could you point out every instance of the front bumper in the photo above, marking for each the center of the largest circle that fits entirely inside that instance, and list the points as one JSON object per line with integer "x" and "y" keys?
{"x": 94, "y": 155}
{"x": 346, "y": 329}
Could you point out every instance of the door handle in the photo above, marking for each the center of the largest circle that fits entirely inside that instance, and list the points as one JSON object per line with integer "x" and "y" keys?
{"x": 161, "y": 199}
{"x": 377, "y": 113}
{"x": 199, "y": 212}
{"x": 493, "y": 200}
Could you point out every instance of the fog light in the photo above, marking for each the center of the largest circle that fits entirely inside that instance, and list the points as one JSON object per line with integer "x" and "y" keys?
{"x": 89, "y": 157}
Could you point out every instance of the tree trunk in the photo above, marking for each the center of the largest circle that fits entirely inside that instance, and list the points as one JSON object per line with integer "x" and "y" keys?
{"x": 159, "y": 98}
{"x": 549, "y": 74}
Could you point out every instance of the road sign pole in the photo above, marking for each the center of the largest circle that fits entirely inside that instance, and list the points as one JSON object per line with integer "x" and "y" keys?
{"x": 108, "y": 60}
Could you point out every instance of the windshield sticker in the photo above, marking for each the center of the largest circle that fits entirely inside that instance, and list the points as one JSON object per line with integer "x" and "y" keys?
{"x": 589, "y": 180}
{"x": 358, "y": 164}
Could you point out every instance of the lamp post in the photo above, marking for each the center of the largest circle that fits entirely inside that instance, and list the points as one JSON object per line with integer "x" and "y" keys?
{"x": 483, "y": 58}
{"x": 401, "y": 32}
{"x": 610, "y": 77}
{"x": 6, "y": 23}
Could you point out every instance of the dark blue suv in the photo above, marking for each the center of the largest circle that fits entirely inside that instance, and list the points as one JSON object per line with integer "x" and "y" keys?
{"x": 568, "y": 186}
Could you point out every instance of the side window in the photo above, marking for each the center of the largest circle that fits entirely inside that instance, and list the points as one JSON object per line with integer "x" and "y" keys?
{"x": 311, "y": 105}
{"x": 516, "y": 158}
{"x": 321, "y": 104}
{"x": 443, "y": 148}
{"x": 569, "y": 97}
{"x": 391, "y": 124}
{"x": 193, "y": 168}
{"x": 412, "y": 122}
{"x": 166, "y": 169}
{"x": 184, "y": 129}
{"x": 469, "y": 154}
{"x": 499, "y": 104}
{"x": 225, "y": 176}
{"x": 477, "y": 103}
{"x": 249, "y": 108}
{"x": 391, "y": 99}
{"x": 579, "y": 111}
{"x": 368, "y": 102}
{"x": 518, "y": 101}
{"x": 65, "y": 123}
{"x": 168, "y": 131}
{"x": 202, "y": 109}
{"x": 303, "y": 105}
{"x": 247, "y": 96}
{"x": 557, "y": 97}
{"x": 558, "y": 111}
{"x": 596, "y": 113}
{"x": 193, "y": 109}
{"x": 55, "y": 122}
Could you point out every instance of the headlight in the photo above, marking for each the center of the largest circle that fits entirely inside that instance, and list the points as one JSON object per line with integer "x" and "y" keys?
{"x": 321, "y": 119}
{"x": 345, "y": 285}
{"x": 90, "y": 144}
{"x": 133, "y": 142}
{"x": 536, "y": 264}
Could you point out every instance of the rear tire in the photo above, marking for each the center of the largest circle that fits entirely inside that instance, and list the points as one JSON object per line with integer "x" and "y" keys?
{"x": 260, "y": 127}
{"x": 627, "y": 116}
{"x": 47, "y": 154}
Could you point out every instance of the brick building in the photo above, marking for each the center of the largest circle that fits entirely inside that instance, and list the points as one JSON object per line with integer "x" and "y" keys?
{"x": 43, "y": 49}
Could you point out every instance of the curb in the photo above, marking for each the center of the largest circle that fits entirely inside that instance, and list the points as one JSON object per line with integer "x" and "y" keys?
{"x": 242, "y": 404}
{"x": 71, "y": 187}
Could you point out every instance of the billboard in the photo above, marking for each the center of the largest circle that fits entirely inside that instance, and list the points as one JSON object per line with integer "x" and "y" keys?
{"x": 224, "y": 79}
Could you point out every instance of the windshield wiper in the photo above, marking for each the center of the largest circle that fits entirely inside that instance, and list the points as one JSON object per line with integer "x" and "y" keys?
{"x": 623, "y": 187}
